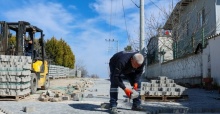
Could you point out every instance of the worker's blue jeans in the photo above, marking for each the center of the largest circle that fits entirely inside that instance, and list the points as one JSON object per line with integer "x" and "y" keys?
{"x": 114, "y": 90}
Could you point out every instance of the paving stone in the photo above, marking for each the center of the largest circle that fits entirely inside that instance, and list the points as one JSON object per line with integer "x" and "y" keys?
{"x": 56, "y": 99}
{"x": 29, "y": 109}
{"x": 50, "y": 93}
{"x": 64, "y": 98}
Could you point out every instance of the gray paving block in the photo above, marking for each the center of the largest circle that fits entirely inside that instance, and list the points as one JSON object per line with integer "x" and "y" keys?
{"x": 3, "y": 85}
{"x": 3, "y": 91}
{"x": 26, "y": 78}
{"x": 3, "y": 68}
{"x": 163, "y": 85}
{"x": 77, "y": 96}
{"x": 19, "y": 92}
{"x": 158, "y": 93}
{"x": 29, "y": 109}
{"x": 50, "y": 93}
{"x": 27, "y": 66}
{"x": 162, "y": 78}
{"x": 14, "y": 78}
{"x": 26, "y": 73}
{"x": 155, "y": 85}
{"x": 171, "y": 85}
{"x": 3, "y": 79}
{"x": 66, "y": 98}
{"x": 154, "y": 81}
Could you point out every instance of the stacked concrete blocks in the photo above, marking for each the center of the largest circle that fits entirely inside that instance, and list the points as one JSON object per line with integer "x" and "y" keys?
{"x": 56, "y": 71}
{"x": 161, "y": 87}
{"x": 15, "y": 75}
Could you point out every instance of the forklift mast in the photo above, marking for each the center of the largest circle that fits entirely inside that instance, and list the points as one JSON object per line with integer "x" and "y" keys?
{"x": 3, "y": 37}
{"x": 20, "y": 28}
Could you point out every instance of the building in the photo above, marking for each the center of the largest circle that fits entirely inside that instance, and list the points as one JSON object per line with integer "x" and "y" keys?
{"x": 160, "y": 48}
{"x": 191, "y": 22}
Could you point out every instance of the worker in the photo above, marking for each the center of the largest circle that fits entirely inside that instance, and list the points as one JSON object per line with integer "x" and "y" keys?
{"x": 28, "y": 47}
{"x": 131, "y": 65}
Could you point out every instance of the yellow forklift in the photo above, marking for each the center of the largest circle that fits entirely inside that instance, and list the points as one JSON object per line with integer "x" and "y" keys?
{"x": 25, "y": 45}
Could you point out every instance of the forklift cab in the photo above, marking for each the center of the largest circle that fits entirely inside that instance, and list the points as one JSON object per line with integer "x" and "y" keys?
{"x": 25, "y": 40}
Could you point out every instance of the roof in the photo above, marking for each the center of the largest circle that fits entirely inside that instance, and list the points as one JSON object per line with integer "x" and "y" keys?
{"x": 28, "y": 26}
{"x": 213, "y": 36}
{"x": 180, "y": 6}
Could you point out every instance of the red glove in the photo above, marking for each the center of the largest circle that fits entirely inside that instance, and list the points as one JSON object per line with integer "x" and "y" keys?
{"x": 135, "y": 86}
{"x": 128, "y": 92}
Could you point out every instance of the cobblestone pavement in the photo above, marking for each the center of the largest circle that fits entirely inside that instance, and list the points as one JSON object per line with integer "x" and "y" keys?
{"x": 200, "y": 101}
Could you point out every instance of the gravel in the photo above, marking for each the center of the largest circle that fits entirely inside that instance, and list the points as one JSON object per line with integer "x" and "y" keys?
{"x": 199, "y": 101}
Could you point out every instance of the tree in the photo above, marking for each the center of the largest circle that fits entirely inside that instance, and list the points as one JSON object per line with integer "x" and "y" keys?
{"x": 12, "y": 40}
{"x": 128, "y": 48}
{"x": 80, "y": 66}
{"x": 94, "y": 76}
{"x": 60, "y": 53}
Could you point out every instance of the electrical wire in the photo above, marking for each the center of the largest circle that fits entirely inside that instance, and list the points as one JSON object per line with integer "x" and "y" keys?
{"x": 110, "y": 25}
{"x": 135, "y": 4}
{"x": 128, "y": 36}
{"x": 159, "y": 7}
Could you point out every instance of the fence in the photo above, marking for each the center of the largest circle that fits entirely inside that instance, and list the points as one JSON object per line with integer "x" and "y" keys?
{"x": 185, "y": 70}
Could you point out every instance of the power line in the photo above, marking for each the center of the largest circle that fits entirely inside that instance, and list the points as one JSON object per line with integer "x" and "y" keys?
{"x": 134, "y": 4}
{"x": 110, "y": 25}
{"x": 159, "y": 8}
{"x": 128, "y": 36}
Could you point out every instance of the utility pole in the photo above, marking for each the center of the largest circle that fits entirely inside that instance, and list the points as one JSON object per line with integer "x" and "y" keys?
{"x": 142, "y": 26}
{"x": 109, "y": 44}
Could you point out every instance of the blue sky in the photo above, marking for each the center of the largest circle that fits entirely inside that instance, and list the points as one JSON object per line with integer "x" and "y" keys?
{"x": 85, "y": 24}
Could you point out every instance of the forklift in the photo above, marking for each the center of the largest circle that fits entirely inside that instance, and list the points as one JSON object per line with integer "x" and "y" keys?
{"x": 25, "y": 46}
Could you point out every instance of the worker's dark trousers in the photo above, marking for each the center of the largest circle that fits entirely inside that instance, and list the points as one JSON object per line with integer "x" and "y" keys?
{"x": 114, "y": 91}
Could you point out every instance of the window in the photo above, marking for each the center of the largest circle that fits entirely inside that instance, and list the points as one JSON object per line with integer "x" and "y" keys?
{"x": 201, "y": 17}
{"x": 218, "y": 2}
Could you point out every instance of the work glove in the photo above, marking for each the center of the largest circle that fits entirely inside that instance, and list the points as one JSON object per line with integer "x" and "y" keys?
{"x": 128, "y": 92}
{"x": 135, "y": 86}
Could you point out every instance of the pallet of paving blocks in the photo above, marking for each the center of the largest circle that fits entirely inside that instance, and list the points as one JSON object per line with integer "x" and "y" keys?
{"x": 163, "y": 89}
{"x": 14, "y": 76}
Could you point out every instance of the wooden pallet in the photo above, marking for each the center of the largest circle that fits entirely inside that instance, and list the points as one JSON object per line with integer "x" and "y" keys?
{"x": 163, "y": 98}
{"x": 12, "y": 98}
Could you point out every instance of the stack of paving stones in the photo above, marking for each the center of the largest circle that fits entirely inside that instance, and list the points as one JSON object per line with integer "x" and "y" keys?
{"x": 56, "y": 71}
{"x": 73, "y": 91}
{"x": 15, "y": 75}
{"x": 53, "y": 96}
{"x": 161, "y": 87}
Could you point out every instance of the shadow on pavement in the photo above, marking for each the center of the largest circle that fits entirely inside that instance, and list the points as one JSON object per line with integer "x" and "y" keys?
{"x": 88, "y": 107}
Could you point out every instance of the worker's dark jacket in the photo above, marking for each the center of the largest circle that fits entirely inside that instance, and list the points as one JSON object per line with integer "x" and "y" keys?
{"x": 120, "y": 63}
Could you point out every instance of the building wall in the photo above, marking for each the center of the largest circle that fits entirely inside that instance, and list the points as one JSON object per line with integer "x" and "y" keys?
{"x": 218, "y": 15}
{"x": 152, "y": 71}
{"x": 187, "y": 42}
{"x": 191, "y": 11}
{"x": 152, "y": 48}
{"x": 193, "y": 68}
{"x": 215, "y": 58}
{"x": 165, "y": 44}
{"x": 188, "y": 69}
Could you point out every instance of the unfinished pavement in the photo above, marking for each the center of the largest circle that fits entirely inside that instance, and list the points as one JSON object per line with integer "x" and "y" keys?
{"x": 199, "y": 101}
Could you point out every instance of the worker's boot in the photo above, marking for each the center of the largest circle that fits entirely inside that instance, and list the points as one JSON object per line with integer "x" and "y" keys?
{"x": 113, "y": 110}
{"x": 138, "y": 108}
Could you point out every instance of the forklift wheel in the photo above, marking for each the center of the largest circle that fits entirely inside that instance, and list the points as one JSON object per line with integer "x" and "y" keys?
{"x": 34, "y": 83}
{"x": 47, "y": 83}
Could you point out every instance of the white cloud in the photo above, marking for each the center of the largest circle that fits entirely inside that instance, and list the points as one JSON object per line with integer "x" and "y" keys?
{"x": 51, "y": 17}
{"x": 85, "y": 36}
